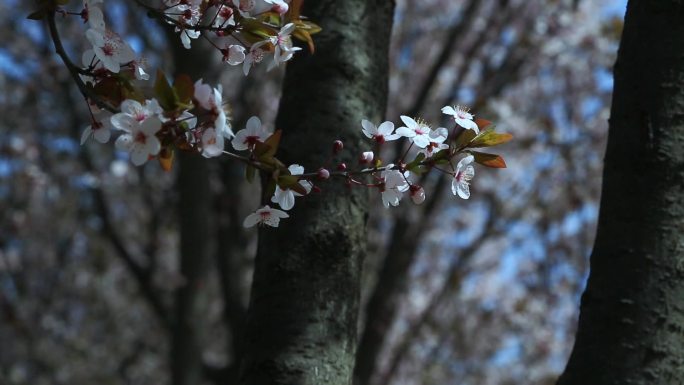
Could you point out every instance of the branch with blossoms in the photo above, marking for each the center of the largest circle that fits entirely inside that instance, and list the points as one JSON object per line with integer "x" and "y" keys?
{"x": 190, "y": 116}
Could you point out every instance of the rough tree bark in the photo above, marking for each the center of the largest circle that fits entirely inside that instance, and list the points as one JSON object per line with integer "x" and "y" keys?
{"x": 302, "y": 317}
{"x": 631, "y": 323}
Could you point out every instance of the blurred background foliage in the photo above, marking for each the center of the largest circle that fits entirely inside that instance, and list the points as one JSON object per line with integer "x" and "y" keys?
{"x": 483, "y": 291}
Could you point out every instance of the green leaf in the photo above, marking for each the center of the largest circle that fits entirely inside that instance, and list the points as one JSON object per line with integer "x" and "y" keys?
{"x": 441, "y": 157}
{"x": 488, "y": 138}
{"x": 291, "y": 182}
{"x": 465, "y": 137}
{"x": 165, "y": 94}
{"x": 415, "y": 162}
{"x": 270, "y": 188}
{"x": 37, "y": 15}
{"x": 489, "y": 160}
{"x": 272, "y": 142}
{"x": 419, "y": 169}
{"x": 110, "y": 90}
{"x": 185, "y": 89}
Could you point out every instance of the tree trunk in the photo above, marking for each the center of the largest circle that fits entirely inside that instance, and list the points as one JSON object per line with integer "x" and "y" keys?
{"x": 194, "y": 211}
{"x": 632, "y": 312}
{"x": 302, "y": 318}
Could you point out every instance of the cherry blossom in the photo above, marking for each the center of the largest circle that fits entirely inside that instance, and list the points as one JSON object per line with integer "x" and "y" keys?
{"x": 393, "y": 186}
{"x": 110, "y": 49}
{"x": 246, "y": 6}
{"x": 283, "y": 44}
{"x": 462, "y": 117}
{"x": 212, "y": 100}
{"x": 233, "y": 54}
{"x": 248, "y": 137}
{"x": 132, "y": 113}
{"x": 139, "y": 70}
{"x": 141, "y": 142}
{"x": 212, "y": 143}
{"x": 98, "y": 129}
{"x": 462, "y": 176}
{"x": 278, "y": 6}
{"x": 416, "y": 131}
{"x": 437, "y": 138}
{"x": 417, "y": 194}
{"x": 95, "y": 17}
{"x": 255, "y": 56}
{"x": 251, "y": 8}
{"x": 265, "y": 216}
{"x": 380, "y": 134}
{"x": 224, "y": 17}
{"x": 366, "y": 157}
{"x": 285, "y": 198}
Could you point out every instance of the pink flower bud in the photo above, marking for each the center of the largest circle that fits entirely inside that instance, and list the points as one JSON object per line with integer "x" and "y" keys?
{"x": 342, "y": 167}
{"x": 417, "y": 194}
{"x": 337, "y": 146}
{"x": 366, "y": 157}
{"x": 323, "y": 173}
{"x": 316, "y": 189}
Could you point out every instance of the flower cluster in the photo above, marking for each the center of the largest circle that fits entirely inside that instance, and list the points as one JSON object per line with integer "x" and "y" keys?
{"x": 436, "y": 149}
{"x": 191, "y": 116}
{"x": 245, "y": 32}
{"x": 109, "y": 50}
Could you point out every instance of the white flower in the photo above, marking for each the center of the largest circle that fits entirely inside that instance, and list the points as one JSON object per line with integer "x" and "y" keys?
{"x": 254, "y": 56}
{"x": 141, "y": 142}
{"x": 436, "y": 138}
{"x": 463, "y": 174}
{"x": 286, "y": 197}
{"x": 393, "y": 187}
{"x": 417, "y": 131}
{"x": 186, "y": 35}
{"x": 224, "y": 17}
{"x": 255, "y": 7}
{"x": 247, "y": 138}
{"x": 184, "y": 15}
{"x": 381, "y": 133}
{"x": 417, "y": 194}
{"x": 100, "y": 130}
{"x": 234, "y": 54}
{"x": 139, "y": 70}
{"x": 132, "y": 113}
{"x": 89, "y": 59}
{"x": 246, "y": 5}
{"x": 110, "y": 49}
{"x": 212, "y": 144}
{"x": 212, "y": 101}
{"x": 283, "y": 44}
{"x": 95, "y": 17}
{"x": 366, "y": 157}
{"x": 266, "y": 216}
{"x": 461, "y": 117}
{"x": 278, "y": 6}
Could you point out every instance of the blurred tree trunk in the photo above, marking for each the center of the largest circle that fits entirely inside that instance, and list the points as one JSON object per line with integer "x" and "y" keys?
{"x": 302, "y": 317}
{"x": 195, "y": 213}
{"x": 632, "y": 312}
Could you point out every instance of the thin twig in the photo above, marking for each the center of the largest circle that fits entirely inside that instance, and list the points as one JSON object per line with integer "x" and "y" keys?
{"x": 73, "y": 69}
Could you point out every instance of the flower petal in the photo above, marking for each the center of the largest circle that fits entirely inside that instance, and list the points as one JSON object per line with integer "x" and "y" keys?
{"x": 251, "y": 220}
{"x": 386, "y": 128}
